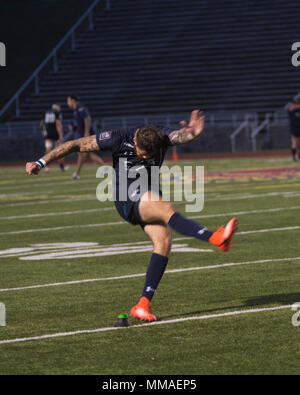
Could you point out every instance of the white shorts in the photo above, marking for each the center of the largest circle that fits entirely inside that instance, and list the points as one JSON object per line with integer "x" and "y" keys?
{"x": 50, "y": 144}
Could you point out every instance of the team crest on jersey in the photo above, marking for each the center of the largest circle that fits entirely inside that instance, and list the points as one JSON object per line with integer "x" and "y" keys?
{"x": 104, "y": 135}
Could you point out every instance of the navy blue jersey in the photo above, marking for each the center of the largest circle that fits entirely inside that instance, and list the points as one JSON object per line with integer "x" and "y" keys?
{"x": 80, "y": 113}
{"x": 121, "y": 144}
{"x": 50, "y": 118}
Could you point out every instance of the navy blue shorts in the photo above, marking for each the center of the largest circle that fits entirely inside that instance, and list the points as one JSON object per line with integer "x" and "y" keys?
{"x": 129, "y": 210}
{"x": 295, "y": 131}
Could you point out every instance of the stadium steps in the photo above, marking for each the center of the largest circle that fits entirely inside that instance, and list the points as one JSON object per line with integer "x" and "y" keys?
{"x": 162, "y": 57}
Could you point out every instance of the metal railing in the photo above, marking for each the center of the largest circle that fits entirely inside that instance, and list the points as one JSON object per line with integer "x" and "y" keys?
{"x": 264, "y": 125}
{"x": 246, "y": 126}
{"x": 52, "y": 56}
{"x": 162, "y": 120}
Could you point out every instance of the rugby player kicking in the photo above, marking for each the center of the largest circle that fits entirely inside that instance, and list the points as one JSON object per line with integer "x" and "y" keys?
{"x": 145, "y": 148}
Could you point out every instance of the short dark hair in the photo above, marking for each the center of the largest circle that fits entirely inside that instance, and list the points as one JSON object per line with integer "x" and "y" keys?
{"x": 73, "y": 97}
{"x": 149, "y": 139}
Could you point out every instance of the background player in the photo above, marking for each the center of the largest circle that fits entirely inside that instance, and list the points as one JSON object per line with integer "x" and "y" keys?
{"x": 145, "y": 148}
{"x": 294, "y": 115}
{"x": 82, "y": 128}
{"x": 52, "y": 130}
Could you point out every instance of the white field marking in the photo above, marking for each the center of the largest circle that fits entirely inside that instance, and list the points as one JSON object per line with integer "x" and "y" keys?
{"x": 75, "y": 246}
{"x": 113, "y": 208}
{"x": 52, "y": 193}
{"x": 211, "y": 198}
{"x": 69, "y": 200}
{"x": 246, "y": 195}
{"x": 123, "y": 223}
{"x": 127, "y": 276}
{"x": 248, "y": 232}
{"x": 269, "y": 210}
{"x": 34, "y": 248}
{"x": 51, "y": 251}
{"x": 58, "y": 213}
{"x": 291, "y": 196}
{"x": 65, "y": 180}
{"x": 164, "y": 322}
{"x": 104, "y": 251}
{"x": 62, "y": 228}
{"x": 40, "y": 185}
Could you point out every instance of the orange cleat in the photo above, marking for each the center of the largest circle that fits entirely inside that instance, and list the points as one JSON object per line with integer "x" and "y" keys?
{"x": 143, "y": 310}
{"x": 223, "y": 236}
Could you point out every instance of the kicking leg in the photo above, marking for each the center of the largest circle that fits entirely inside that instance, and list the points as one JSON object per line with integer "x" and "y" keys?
{"x": 153, "y": 209}
{"x": 160, "y": 235}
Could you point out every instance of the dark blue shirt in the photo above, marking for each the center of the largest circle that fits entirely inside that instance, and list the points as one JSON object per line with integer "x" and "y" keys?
{"x": 50, "y": 118}
{"x": 80, "y": 113}
{"x": 294, "y": 120}
{"x": 121, "y": 144}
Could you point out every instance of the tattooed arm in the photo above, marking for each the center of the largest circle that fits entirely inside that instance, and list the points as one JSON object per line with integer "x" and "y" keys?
{"x": 190, "y": 131}
{"x": 85, "y": 144}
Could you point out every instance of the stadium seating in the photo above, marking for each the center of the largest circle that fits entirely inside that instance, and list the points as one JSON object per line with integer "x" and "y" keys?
{"x": 164, "y": 57}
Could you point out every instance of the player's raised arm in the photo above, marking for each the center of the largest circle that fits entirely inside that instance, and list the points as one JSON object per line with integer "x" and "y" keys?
{"x": 293, "y": 106}
{"x": 190, "y": 131}
{"x": 85, "y": 144}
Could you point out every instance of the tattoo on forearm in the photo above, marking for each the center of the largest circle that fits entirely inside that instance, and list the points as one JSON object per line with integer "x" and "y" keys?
{"x": 60, "y": 151}
{"x": 88, "y": 144}
{"x": 181, "y": 136}
{"x": 85, "y": 144}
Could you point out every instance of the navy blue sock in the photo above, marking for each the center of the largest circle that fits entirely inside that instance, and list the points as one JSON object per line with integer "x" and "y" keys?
{"x": 154, "y": 274}
{"x": 188, "y": 228}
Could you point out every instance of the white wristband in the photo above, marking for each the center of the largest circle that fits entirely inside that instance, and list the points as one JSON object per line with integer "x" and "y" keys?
{"x": 41, "y": 162}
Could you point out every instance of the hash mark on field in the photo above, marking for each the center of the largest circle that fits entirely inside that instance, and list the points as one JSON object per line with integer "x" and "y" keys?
{"x": 165, "y": 322}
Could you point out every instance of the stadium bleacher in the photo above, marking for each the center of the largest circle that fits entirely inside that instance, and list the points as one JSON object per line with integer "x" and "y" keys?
{"x": 156, "y": 58}
{"x": 164, "y": 57}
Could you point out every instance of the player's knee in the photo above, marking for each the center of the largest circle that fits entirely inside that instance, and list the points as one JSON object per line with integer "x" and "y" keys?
{"x": 167, "y": 211}
{"x": 162, "y": 245}
{"x": 153, "y": 207}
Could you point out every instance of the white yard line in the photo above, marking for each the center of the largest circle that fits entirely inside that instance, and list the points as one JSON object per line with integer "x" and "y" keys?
{"x": 90, "y": 280}
{"x": 58, "y": 182}
{"x": 269, "y": 210}
{"x": 53, "y": 192}
{"x": 94, "y": 210}
{"x": 35, "y": 202}
{"x": 285, "y": 194}
{"x": 15, "y": 232}
{"x": 155, "y": 323}
{"x": 45, "y": 183}
{"x": 248, "y": 232}
{"x": 113, "y": 208}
